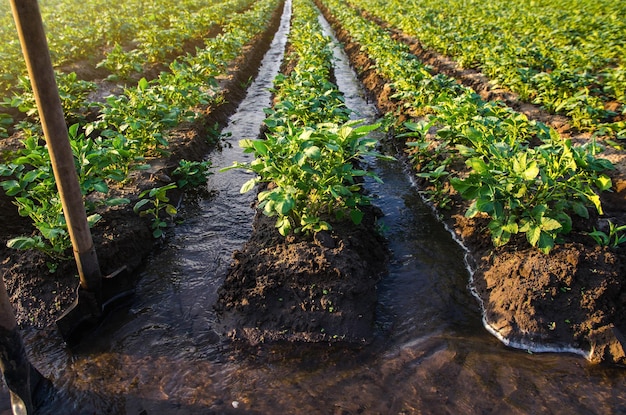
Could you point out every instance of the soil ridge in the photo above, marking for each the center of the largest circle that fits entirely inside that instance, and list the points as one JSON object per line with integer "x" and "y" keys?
{"x": 319, "y": 289}
{"x": 121, "y": 237}
{"x": 572, "y": 299}
{"x": 304, "y": 288}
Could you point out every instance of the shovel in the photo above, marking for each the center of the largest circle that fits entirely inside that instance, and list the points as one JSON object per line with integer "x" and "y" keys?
{"x": 96, "y": 294}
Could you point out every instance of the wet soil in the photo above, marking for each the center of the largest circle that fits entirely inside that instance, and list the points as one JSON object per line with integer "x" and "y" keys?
{"x": 121, "y": 237}
{"x": 572, "y": 299}
{"x": 312, "y": 289}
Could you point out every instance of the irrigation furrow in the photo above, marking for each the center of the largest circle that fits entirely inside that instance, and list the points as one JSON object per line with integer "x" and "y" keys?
{"x": 187, "y": 142}
{"x": 482, "y": 152}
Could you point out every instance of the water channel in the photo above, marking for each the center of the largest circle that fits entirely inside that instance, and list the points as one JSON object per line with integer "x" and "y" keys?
{"x": 431, "y": 355}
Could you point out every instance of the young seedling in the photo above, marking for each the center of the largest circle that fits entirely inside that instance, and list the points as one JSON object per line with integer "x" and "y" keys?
{"x": 153, "y": 203}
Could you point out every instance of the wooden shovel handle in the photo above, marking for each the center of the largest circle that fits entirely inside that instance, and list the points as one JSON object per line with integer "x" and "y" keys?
{"x": 35, "y": 49}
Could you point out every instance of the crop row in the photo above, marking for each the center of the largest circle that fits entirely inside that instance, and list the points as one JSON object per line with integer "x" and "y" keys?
{"x": 166, "y": 33}
{"x": 522, "y": 188}
{"x": 311, "y": 151}
{"x": 566, "y": 55}
{"x": 145, "y": 31}
{"x": 129, "y": 127}
{"x": 157, "y": 35}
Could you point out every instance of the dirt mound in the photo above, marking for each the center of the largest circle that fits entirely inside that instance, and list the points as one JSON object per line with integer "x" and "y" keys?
{"x": 573, "y": 298}
{"x": 121, "y": 237}
{"x": 315, "y": 289}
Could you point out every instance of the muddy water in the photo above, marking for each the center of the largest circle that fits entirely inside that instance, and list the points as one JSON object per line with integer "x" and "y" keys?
{"x": 431, "y": 356}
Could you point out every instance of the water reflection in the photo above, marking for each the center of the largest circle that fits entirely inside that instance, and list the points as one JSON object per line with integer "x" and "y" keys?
{"x": 431, "y": 356}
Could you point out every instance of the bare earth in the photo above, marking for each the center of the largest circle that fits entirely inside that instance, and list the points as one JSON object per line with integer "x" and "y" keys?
{"x": 322, "y": 289}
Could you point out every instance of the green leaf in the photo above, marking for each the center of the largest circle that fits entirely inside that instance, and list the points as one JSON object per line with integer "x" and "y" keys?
{"x": 595, "y": 199}
{"x": 141, "y": 204}
{"x": 11, "y": 187}
{"x": 465, "y": 151}
{"x": 472, "y": 210}
{"x": 171, "y": 210}
{"x": 143, "y": 84}
{"x": 461, "y": 186}
{"x": 117, "y": 201}
{"x": 600, "y": 237}
{"x": 249, "y": 185}
{"x": 580, "y": 209}
{"x": 284, "y": 225}
{"x": 73, "y": 130}
{"x": 365, "y": 129}
{"x": 549, "y": 224}
{"x": 478, "y": 165}
{"x": 531, "y": 171}
{"x": 566, "y": 222}
{"x": 313, "y": 152}
{"x": 501, "y": 234}
{"x": 485, "y": 205}
{"x": 603, "y": 183}
{"x": 21, "y": 242}
{"x": 356, "y": 216}
{"x": 533, "y": 234}
{"x": 260, "y": 147}
{"x": 101, "y": 187}
{"x": 285, "y": 205}
{"x": 545, "y": 243}
{"x": 93, "y": 219}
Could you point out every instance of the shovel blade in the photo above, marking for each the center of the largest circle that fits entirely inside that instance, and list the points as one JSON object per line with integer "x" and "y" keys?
{"x": 89, "y": 309}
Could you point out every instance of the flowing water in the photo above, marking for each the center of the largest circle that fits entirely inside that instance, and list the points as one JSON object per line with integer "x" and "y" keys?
{"x": 431, "y": 354}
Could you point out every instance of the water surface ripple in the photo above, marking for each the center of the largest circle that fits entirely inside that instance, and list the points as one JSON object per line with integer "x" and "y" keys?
{"x": 431, "y": 356}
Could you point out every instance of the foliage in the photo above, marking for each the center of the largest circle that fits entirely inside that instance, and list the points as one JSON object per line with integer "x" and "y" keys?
{"x": 522, "y": 188}
{"x": 615, "y": 237}
{"x": 150, "y": 31}
{"x": 129, "y": 126}
{"x": 532, "y": 190}
{"x": 155, "y": 202}
{"x": 32, "y": 184}
{"x": 191, "y": 173}
{"x": 566, "y": 55}
{"x": 311, "y": 153}
{"x": 73, "y": 93}
{"x": 5, "y": 122}
{"x": 313, "y": 174}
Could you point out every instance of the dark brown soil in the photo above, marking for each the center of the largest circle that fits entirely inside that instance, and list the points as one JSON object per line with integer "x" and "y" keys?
{"x": 313, "y": 289}
{"x": 306, "y": 290}
{"x": 575, "y": 297}
{"x": 121, "y": 238}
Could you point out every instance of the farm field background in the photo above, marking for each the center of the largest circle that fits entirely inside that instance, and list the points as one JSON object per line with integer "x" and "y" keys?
{"x": 147, "y": 90}
{"x": 567, "y": 56}
{"x": 520, "y": 173}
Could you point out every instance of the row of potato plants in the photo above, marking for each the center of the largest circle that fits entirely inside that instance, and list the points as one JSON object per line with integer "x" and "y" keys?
{"x": 523, "y": 188}
{"x": 155, "y": 32}
{"x": 130, "y": 127}
{"x": 167, "y": 33}
{"x": 566, "y": 55}
{"x": 310, "y": 155}
{"x": 151, "y": 28}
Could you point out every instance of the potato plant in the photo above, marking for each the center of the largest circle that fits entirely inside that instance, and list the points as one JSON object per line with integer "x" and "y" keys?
{"x": 129, "y": 127}
{"x": 521, "y": 188}
{"x": 565, "y": 55}
{"x": 152, "y": 29}
{"x": 310, "y": 157}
